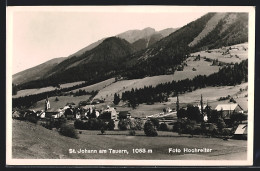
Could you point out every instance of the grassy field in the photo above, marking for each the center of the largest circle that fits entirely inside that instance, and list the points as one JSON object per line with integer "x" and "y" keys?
{"x": 27, "y": 92}
{"x": 211, "y": 93}
{"x": 98, "y": 86}
{"x": 236, "y": 54}
{"x": 202, "y": 68}
{"x": 31, "y": 141}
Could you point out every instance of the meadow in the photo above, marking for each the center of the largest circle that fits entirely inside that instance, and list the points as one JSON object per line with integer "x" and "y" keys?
{"x": 30, "y": 141}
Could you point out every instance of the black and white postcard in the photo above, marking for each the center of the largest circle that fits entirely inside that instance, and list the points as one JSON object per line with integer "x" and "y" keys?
{"x": 130, "y": 85}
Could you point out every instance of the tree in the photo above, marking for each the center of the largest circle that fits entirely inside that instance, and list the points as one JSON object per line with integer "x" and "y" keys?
{"x": 14, "y": 87}
{"x": 132, "y": 102}
{"x": 149, "y": 129}
{"x": 237, "y": 118}
{"x": 163, "y": 127}
{"x": 220, "y": 124}
{"x": 56, "y": 99}
{"x": 213, "y": 117}
{"x": 181, "y": 113}
{"x": 155, "y": 122}
{"x": 191, "y": 127}
{"x": 193, "y": 113}
{"x": 123, "y": 124}
{"x": 177, "y": 103}
{"x": 116, "y": 99}
{"x": 201, "y": 104}
{"x": 111, "y": 125}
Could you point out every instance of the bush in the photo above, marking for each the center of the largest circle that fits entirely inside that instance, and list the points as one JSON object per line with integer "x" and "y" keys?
{"x": 136, "y": 124}
{"x": 68, "y": 131}
{"x": 102, "y": 130}
{"x": 190, "y": 127}
{"x": 149, "y": 129}
{"x": 59, "y": 122}
{"x": 132, "y": 132}
{"x": 226, "y": 132}
{"x": 56, "y": 99}
{"x": 111, "y": 125}
{"x": 32, "y": 118}
{"x": 123, "y": 124}
{"x": 212, "y": 130}
{"x": 54, "y": 123}
{"x": 155, "y": 122}
{"x": 48, "y": 125}
{"x": 92, "y": 124}
{"x": 78, "y": 124}
{"x": 163, "y": 127}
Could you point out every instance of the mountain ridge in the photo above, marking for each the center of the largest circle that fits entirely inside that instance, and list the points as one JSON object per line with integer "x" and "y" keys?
{"x": 157, "y": 59}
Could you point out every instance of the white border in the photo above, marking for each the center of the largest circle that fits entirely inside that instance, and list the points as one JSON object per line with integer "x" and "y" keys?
{"x": 141, "y": 9}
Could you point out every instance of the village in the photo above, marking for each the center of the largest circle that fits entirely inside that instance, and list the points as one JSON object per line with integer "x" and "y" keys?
{"x": 227, "y": 120}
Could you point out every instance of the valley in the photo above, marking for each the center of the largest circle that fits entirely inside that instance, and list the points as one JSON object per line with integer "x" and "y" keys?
{"x": 177, "y": 87}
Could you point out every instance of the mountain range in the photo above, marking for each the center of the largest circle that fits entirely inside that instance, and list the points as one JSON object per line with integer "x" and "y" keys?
{"x": 139, "y": 53}
{"x": 139, "y": 38}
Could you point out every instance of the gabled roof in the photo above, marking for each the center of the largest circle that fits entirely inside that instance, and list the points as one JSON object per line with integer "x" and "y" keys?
{"x": 231, "y": 106}
{"x": 241, "y": 129}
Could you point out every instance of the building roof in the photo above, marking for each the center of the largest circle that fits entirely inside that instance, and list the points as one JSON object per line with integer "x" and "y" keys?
{"x": 241, "y": 129}
{"x": 89, "y": 107}
{"x": 231, "y": 106}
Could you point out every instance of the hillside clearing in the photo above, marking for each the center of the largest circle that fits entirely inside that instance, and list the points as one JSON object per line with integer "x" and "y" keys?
{"x": 237, "y": 53}
{"x": 27, "y": 92}
{"x": 210, "y": 93}
{"x": 97, "y": 86}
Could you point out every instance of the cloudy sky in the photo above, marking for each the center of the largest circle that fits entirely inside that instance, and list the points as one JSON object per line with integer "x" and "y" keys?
{"x": 40, "y": 34}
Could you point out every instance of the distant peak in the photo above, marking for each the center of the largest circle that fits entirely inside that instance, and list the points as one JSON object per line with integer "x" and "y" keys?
{"x": 149, "y": 28}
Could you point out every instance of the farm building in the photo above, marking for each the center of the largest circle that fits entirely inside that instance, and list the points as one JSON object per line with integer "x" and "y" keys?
{"x": 241, "y": 132}
{"x": 54, "y": 113}
{"x": 124, "y": 115}
{"x": 40, "y": 114}
{"x": 229, "y": 109}
{"x": 89, "y": 107}
{"x": 112, "y": 111}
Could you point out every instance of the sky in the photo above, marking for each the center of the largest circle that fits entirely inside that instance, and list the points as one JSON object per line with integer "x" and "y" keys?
{"x": 38, "y": 35}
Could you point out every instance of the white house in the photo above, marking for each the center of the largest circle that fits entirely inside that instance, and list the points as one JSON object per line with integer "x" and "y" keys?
{"x": 112, "y": 111}
{"x": 229, "y": 109}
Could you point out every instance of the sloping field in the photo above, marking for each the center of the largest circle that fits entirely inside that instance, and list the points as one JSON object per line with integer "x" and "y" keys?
{"x": 27, "y": 92}
{"x": 31, "y": 141}
{"x": 192, "y": 69}
{"x": 210, "y": 93}
{"x": 63, "y": 100}
{"x": 98, "y": 86}
{"x": 202, "y": 68}
{"x": 237, "y": 53}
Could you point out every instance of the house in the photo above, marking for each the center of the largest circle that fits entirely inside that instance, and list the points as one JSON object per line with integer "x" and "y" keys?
{"x": 89, "y": 107}
{"x": 229, "y": 109}
{"x": 112, "y": 111}
{"x": 16, "y": 114}
{"x": 241, "y": 132}
{"x": 241, "y": 129}
{"x": 124, "y": 115}
{"x": 54, "y": 113}
{"x": 40, "y": 114}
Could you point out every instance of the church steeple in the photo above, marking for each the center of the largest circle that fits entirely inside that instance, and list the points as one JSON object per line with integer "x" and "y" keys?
{"x": 47, "y": 104}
